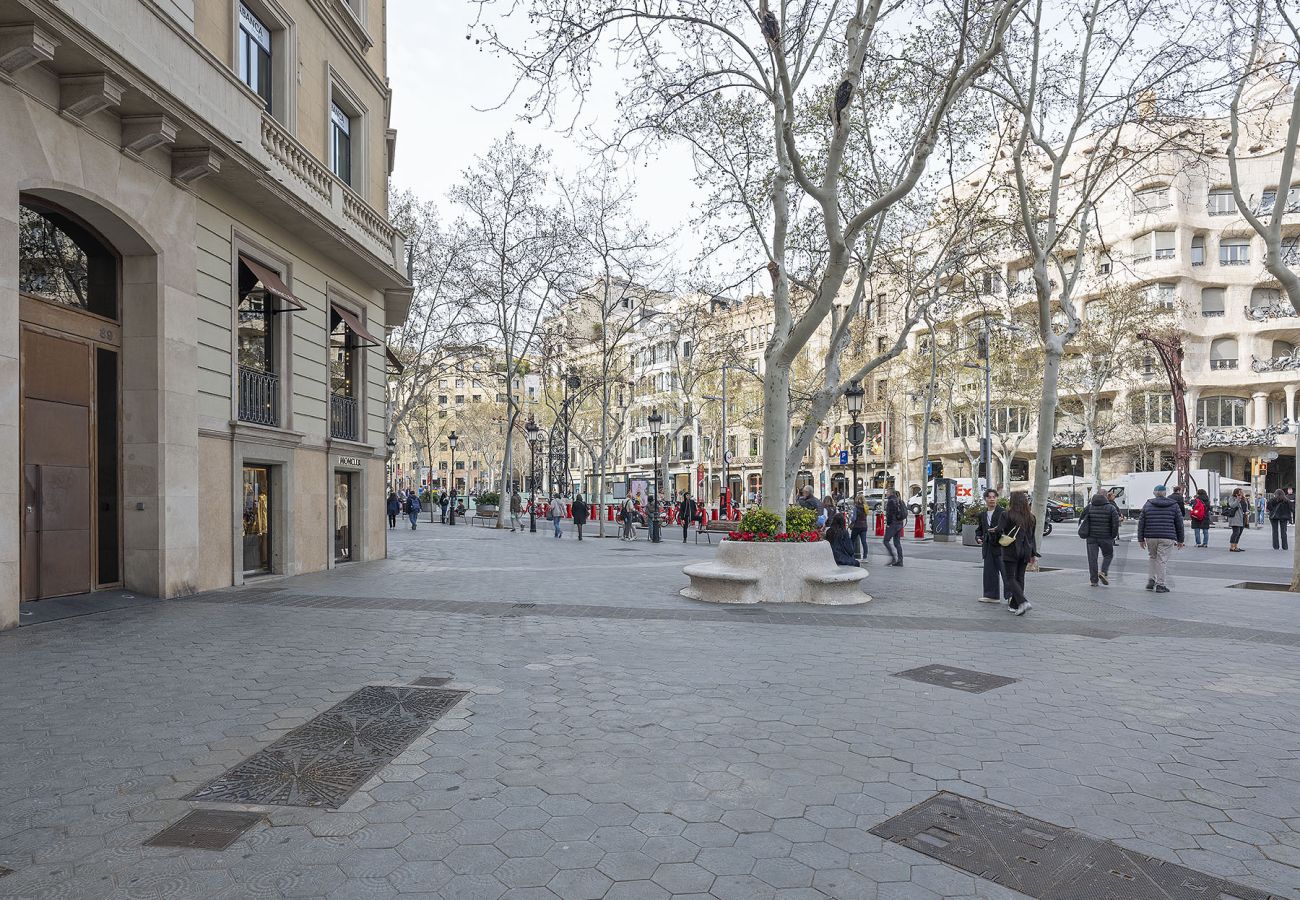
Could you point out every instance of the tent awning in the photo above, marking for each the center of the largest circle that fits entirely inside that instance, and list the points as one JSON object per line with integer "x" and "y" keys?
{"x": 273, "y": 284}
{"x": 354, "y": 325}
{"x": 394, "y": 361}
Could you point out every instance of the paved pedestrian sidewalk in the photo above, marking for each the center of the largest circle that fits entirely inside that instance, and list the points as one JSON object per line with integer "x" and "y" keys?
{"x": 616, "y": 740}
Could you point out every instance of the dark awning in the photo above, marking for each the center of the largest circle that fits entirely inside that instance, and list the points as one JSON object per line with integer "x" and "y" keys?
{"x": 354, "y": 325}
{"x": 394, "y": 361}
{"x": 272, "y": 283}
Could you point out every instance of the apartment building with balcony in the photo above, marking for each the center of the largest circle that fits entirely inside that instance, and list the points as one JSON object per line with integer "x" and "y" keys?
{"x": 1178, "y": 238}
{"x": 200, "y": 277}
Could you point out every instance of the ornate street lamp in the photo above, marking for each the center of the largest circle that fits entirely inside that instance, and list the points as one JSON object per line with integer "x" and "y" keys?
{"x": 1074, "y": 501}
{"x": 652, "y": 507}
{"x": 452, "y": 440}
{"x": 534, "y": 434}
{"x": 853, "y": 399}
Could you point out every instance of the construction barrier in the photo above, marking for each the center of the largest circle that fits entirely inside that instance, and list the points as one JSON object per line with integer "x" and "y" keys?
{"x": 880, "y": 524}
{"x": 920, "y": 526}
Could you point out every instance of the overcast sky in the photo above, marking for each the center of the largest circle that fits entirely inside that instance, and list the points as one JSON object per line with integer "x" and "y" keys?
{"x": 439, "y": 78}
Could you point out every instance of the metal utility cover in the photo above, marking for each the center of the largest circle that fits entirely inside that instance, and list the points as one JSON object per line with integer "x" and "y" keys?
{"x": 1043, "y": 860}
{"x": 323, "y": 762}
{"x": 1261, "y": 586}
{"x": 958, "y": 679}
{"x": 206, "y": 829}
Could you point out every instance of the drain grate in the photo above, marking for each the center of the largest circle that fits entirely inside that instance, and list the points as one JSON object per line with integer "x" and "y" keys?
{"x": 206, "y": 829}
{"x": 1044, "y": 860}
{"x": 322, "y": 763}
{"x": 523, "y": 606}
{"x": 957, "y": 679}
{"x": 1261, "y": 586}
{"x": 431, "y": 681}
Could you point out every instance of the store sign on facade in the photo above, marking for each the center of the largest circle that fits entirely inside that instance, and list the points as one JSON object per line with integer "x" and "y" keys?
{"x": 354, "y": 462}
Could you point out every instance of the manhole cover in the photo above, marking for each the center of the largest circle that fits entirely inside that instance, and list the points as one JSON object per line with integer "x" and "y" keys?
{"x": 957, "y": 679}
{"x": 205, "y": 829}
{"x": 1044, "y": 860}
{"x": 1261, "y": 586}
{"x": 431, "y": 681}
{"x": 322, "y": 763}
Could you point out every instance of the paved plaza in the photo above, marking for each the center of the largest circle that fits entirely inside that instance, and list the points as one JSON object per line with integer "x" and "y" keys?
{"x": 618, "y": 741}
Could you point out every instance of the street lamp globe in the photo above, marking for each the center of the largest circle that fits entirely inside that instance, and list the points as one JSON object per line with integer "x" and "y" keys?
{"x": 451, "y": 440}
{"x": 532, "y": 431}
{"x": 656, "y": 422}
{"x": 853, "y": 397}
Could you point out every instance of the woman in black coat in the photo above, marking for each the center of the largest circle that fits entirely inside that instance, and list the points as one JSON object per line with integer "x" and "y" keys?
{"x": 579, "y": 514}
{"x": 1016, "y": 556}
{"x": 1099, "y": 526}
{"x": 841, "y": 543}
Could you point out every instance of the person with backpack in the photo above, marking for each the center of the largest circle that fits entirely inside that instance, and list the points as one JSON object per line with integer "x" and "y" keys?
{"x": 394, "y": 508}
{"x": 1160, "y": 526}
{"x": 580, "y": 511}
{"x": 412, "y": 507}
{"x": 516, "y": 510}
{"x": 895, "y": 519}
{"x": 1099, "y": 526}
{"x": 1017, "y": 539}
{"x": 443, "y": 501}
{"x": 1200, "y": 516}
{"x": 1281, "y": 514}
{"x": 627, "y": 514}
{"x": 686, "y": 513}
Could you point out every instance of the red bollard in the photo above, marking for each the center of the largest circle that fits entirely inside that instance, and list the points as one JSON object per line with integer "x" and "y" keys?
{"x": 714, "y": 513}
{"x": 880, "y": 524}
{"x": 609, "y": 513}
{"x": 569, "y": 509}
{"x": 920, "y": 526}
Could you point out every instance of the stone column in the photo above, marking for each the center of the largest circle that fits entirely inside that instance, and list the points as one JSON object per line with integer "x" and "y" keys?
{"x": 11, "y": 476}
{"x": 1289, "y": 412}
{"x": 1259, "y": 410}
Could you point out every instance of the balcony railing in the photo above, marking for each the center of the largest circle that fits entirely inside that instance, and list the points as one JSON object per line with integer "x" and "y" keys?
{"x": 1223, "y": 364}
{"x": 343, "y": 417}
{"x": 259, "y": 396}
{"x": 1278, "y": 309}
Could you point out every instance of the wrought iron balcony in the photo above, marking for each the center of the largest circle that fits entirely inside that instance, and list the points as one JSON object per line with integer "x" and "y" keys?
{"x": 343, "y": 417}
{"x": 259, "y": 396}
{"x": 1276, "y": 364}
{"x": 1279, "y": 309}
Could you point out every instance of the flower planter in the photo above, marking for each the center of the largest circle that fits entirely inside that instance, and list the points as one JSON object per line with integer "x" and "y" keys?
{"x": 763, "y": 572}
{"x": 487, "y": 510}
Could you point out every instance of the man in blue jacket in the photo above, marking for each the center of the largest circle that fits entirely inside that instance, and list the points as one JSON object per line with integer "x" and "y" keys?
{"x": 1160, "y": 529}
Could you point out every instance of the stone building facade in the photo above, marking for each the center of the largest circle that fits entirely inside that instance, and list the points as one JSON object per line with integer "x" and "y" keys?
{"x": 198, "y": 275}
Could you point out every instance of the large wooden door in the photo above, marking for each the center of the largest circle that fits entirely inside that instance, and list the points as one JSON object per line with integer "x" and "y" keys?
{"x": 57, "y": 392}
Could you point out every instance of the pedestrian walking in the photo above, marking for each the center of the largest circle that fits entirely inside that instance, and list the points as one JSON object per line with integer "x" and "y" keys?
{"x": 1017, "y": 540}
{"x": 580, "y": 511}
{"x": 1235, "y": 511}
{"x": 986, "y": 530}
{"x": 895, "y": 518}
{"x": 443, "y": 502}
{"x": 806, "y": 499}
{"x": 837, "y": 535}
{"x": 412, "y": 507}
{"x": 556, "y": 512}
{"x": 516, "y": 510}
{"x": 394, "y": 508}
{"x": 1099, "y": 526}
{"x": 1200, "y": 516}
{"x": 627, "y": 516}
{"x": 1281, "y": 513}
{"x": 1261, "y": 510}
{"x": 686, "y": 513}
{"x": 1176, "y": 495}
{"x": 1110, "y": 498}
{"x": 860, "y": 527}
{"x": 1160, "y": 529}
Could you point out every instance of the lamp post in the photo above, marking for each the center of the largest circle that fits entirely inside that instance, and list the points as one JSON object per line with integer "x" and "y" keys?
{"x": 853, "y": 399}
{"x": 1074, "y": 501}
{"x": 452, "y": 440}
{"x": 656, "y": 423}
{"x": 534, "y": 434}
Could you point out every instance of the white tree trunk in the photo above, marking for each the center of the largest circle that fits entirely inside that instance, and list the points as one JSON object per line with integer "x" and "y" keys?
{"x": 777, "y": 482}
{"x": 1046, "y": 433}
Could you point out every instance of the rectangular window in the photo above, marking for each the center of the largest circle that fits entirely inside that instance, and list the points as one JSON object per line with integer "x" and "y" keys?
{"x": 1198, "y": 250}
{"x": 1266, "y": 201}
{"x": 1151, "y": 199}
{"x": 1212, "y": 301}
{"x": 1234, "y": 251}
{"x": 257, "y": 520}
{"x": 1164, "y": 245}
{"x": 753, "y": 445}
{"x": 341, "y": 143}
{"x": 1221, "y": 202}
{"x": 1162, "y": 295}
{"x": 1103, "y": 264}
{"x": 255, "y": 54}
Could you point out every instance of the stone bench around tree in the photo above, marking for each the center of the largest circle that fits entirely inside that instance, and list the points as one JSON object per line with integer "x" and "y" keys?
{"x": 760, "y": 572}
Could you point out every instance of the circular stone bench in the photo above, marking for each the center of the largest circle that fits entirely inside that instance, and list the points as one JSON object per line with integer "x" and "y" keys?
{"x": 757, "y": 572}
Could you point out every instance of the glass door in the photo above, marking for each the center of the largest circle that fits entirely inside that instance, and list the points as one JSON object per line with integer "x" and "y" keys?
{"x": 343, "y": 517}
{"x": 257, "y": 520}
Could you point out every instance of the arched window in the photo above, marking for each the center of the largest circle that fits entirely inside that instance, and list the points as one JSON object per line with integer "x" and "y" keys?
{"x": 1264, "y": 297}
{"x": 62, "y": 260}
{"x": 1283, "y": 348}
{"x": 1151, "y": 198}
{"x": 1217, "y": 462}
{"x": 1221, "y": 412}
{"x": 1212, "y": 301}
{"x": 1223, "y": 353}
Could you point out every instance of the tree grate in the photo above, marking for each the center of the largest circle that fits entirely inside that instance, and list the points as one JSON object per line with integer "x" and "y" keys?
{"x": 206, "y": 829}
{"x": 323, "y": 762}
{"x": 1261, "y": 586}
{"x": 958, "y": 679}
{"x": 1045, "y": 861}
